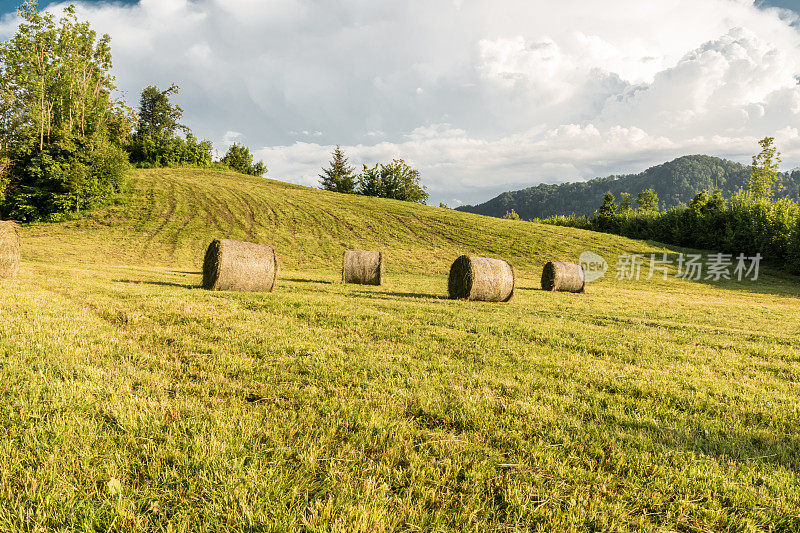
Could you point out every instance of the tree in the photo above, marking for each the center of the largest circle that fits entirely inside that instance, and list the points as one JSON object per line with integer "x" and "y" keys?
{"x": 698, "y": 204}
{"x": 60, "y": 131}
{"x": 625, "y": 202}
{"x": 156, "y": 114}
{"x": 370, "y": 182}
{"x": 511, "y": 215}
{"x": 4, "y": 178}
{"x": 156, "y": 142}
{"x": 392, "y": 180}
{"x": 609, "y": 207}
{"x": 647, "y": 201}
{"x": 764, "y": 172}
{"x": 402, "y": 182}
{"x": 717, "y": 203}
{"x": 339, "y": 177}
{"x": 240, "y": 159}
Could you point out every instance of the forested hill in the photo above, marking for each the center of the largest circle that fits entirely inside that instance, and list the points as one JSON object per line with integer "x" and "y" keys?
{"x": 675, "y": 182}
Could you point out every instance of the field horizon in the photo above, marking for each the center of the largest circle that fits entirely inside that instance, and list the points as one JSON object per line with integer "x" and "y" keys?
{"x": 133, "y": 400}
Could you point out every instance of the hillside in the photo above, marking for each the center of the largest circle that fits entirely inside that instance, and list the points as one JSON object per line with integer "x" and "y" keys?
{"x": 675, "y": 182}
{"x": 173, "y": 215}
{"x": 133, "y": 400}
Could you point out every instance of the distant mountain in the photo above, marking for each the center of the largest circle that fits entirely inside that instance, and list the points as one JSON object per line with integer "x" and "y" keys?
{"x": 675, "y": 182}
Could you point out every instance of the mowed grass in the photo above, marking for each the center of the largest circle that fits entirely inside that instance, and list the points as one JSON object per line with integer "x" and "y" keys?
{"x": 132, "y": 400}
{"x": 174, "y": 213}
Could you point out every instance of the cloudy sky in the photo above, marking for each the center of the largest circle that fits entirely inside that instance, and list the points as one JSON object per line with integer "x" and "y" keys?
{"x": 481, "y": 96}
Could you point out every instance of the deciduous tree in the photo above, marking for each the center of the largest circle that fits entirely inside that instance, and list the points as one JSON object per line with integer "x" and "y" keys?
{"x": 764, "y": 178}
{"x": 394, "y": 180}
{"x": 625, "y": 202}
{"x": 239, "y": 158}
{"x": 57, "y": 116}
{"x": 647, "y": 201}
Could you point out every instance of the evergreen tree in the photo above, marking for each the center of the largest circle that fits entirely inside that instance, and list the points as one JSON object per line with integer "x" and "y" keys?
{"x": 698, "y": 204}
{"x": 609, "y": 207}
{"x": 764, "y": 173}
{"x": 339, "y": 177}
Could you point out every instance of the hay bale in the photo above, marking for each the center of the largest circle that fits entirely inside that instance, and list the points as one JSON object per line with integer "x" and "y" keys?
{"x": 481, "y": 278}
{"x": 363, "y": 267}
{"x": 567, "y": 277}
{"x": 239, "y": 266}
{"x": 9, "y": 250}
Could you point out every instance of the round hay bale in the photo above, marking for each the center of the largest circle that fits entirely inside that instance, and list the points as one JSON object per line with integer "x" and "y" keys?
{"x": 481, "y": 278}
{"x": 239, "y": 266}
{"x": 9, "y": 250}
{"x": 566, "y": 277}
{"x": 363, "y": 267}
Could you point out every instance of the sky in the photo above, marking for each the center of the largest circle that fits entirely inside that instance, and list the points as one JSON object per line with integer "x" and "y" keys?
{"x": 481, "y": 96}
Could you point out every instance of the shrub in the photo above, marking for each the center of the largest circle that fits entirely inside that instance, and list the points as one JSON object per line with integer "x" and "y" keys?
{"x": 745, "y": 224}
{"x": 240, "y": 159}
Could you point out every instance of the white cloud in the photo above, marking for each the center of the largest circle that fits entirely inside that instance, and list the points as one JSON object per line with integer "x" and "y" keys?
{"x": 231, "y": 137}
{"x": 481, "y": 96}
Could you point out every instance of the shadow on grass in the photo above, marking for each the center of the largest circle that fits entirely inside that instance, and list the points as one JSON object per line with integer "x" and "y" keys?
{"x": 744, "y": 445}
{"x": 772, "y": 280}
{"x": 306, "y": 280}
{"x": 185, "y": 272}
{"x": 404, "y": 294}
{"x": 161, "y": 283}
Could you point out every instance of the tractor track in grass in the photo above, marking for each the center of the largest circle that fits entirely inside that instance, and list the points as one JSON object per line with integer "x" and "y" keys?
{"x": 236, "y": 197}
{"x": 442, "y": 235}
{"x": 150, "y": 206}
{"x": 171, "y": 205}
{"x": 343, "y": 223}
{"x": 411, "y": 230}
{"x": 210, "y": 214}
{"x": 251, "y": 214}
{"x": 270, "y": 219}
{"x": 194, "y": 199}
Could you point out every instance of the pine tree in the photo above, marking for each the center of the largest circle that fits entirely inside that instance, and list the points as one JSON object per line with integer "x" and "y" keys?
{"x": 339, "y": 177}
{"x": 609, "y": 207}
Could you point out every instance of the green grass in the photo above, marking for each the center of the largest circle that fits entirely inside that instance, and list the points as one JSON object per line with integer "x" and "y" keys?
{"x": 132, "y": 400}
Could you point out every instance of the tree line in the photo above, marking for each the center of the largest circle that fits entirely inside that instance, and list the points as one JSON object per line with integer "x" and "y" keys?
{"x": 394, "y": 180}
{"x": 751, "y": 221}
{"x": 65, "y": 141}
{"x": 675, "y": 182}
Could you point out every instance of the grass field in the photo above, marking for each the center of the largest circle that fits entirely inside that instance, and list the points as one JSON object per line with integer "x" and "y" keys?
{"x": 132, "y": 400}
